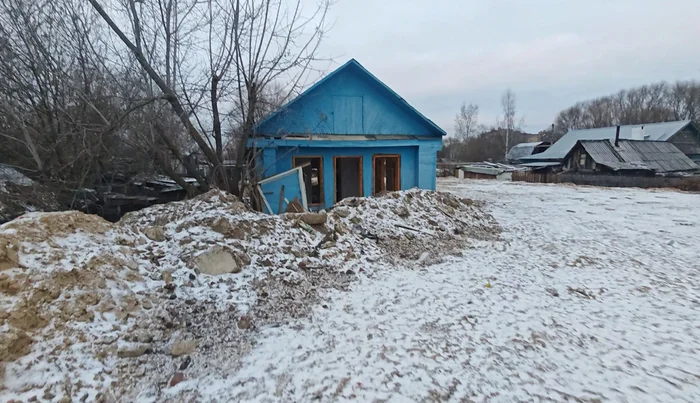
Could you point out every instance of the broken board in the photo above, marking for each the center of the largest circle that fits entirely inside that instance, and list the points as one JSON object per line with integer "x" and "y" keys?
{"x": 278, "y": 189}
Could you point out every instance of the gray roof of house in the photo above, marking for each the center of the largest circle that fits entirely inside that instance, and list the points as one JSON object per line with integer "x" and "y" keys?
{"x": 659, "y": 156}
{"x": 651, "y": 131}
{"x": 522, "y": 150}
{"x": 540, "y": 164}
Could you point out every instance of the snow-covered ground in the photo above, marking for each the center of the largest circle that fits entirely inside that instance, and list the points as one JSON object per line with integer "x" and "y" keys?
{"x": 592, "y": 294}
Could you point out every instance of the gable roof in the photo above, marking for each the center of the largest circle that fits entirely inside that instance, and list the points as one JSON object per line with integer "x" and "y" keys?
{"x": 652, "y": 131}
{"x": 657, "y": 156}
{"x": 352, "y": 63}
{"x": 523, "y": 149}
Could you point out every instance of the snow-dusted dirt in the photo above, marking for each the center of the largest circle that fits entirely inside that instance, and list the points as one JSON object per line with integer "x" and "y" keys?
{"x": 591, "y": 295}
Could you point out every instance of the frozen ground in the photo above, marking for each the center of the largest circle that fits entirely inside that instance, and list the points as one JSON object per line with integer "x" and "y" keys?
{"x": 592, "y": 295}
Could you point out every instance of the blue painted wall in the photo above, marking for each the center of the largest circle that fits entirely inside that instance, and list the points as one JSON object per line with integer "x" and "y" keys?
{"x": 349, "y": 101}
{"x": 417, "y": 164}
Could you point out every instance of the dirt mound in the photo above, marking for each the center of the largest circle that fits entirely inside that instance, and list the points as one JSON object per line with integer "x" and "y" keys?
{"x": 67, "y": 281}
{"x": 162, "y": 214}
{"x": 42, "y": 226}
{"x": 17, "y": 199}
{"x": 182, "y": 287}
{"x": 409, "y": 224}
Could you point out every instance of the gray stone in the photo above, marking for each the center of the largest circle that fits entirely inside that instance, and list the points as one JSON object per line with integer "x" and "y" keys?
{"x": 219, "y": 260}
{"x": 313, "y": 218}
{"x": 132, "y": 351}
{"x": 154, "y": 233}
{"x": 342, "y": 213}
{"x": 401, "y": 211}
{"x": 183, "y": 347}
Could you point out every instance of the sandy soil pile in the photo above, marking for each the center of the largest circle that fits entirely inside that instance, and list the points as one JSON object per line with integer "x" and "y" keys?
{"x": 94, "y": 311}
{"x": 417, "y": 225}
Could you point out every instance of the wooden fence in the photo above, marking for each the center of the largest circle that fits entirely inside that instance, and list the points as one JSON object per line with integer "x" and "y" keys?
{"x": 683, "y": 183}
{"x": 532, "y": 177}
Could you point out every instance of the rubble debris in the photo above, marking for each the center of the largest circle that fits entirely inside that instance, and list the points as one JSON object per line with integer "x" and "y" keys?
{"x": 294, "y": 207}
{"x": 68, "y": 279}
{"x": 417, "y": 220}
{"x": 311, "y": 218}
{"x": 401, "y": 211}
{"x": 183, "y": 347}
{"x": 177, "y": 378}
{"x": 154, "y": 233}
{"x": 221, "y": 225}
{"x": 185, "y": 363}
{"x": 245, "y": 323}
{"x": 133, "y": 351}
{"x": 220, "y": 260}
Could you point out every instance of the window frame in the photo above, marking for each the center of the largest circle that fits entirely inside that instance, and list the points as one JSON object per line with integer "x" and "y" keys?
{"x": 397, "y": 174}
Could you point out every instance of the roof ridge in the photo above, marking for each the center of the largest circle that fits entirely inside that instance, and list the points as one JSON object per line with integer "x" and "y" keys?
{"x": 632, "y": 125}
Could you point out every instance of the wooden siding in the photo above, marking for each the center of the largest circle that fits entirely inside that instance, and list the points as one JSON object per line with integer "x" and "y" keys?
{"x": 349, "y": 102}
{"x": 591, "y": 179}
{"x": 349, "y": 113}
{"x": 573, "y": 161}
{"x": 417, "y": 164}
{"x": 348, "y": 116}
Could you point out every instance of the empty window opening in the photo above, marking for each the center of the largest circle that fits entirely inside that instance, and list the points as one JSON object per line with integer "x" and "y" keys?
{"x": 313, "y": 177}
{"x": 348, "y": 177}
{"x": 387, "y": 173}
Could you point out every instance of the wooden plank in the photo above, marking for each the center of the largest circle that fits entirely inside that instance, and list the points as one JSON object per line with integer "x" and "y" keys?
{"x": 282, "y": 199}
{"x": 279, "y": 175}
{"x": 269, "y": 209}
{"x": 320, "y": 173}
{"x": 302, "y": 188}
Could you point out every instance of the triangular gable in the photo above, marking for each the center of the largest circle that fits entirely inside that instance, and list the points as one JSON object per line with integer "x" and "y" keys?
{"x": 350, "y": 100}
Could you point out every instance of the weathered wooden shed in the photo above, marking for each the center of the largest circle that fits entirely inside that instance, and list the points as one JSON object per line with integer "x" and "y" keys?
{"x": 627, "y": 157}
{"x": 352, "y": 135}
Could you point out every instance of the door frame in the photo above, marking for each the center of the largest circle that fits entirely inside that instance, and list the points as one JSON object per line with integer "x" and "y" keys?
{"x": 397, "y": 175}
{"x": 321, "y": 176}
{"x": 335, "y": 175}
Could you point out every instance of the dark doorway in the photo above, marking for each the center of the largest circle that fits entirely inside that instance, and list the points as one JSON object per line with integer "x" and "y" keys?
{"x": 348, "y": 177}
{"x": 387, "y": 173}
{"x": 313, "y": 177}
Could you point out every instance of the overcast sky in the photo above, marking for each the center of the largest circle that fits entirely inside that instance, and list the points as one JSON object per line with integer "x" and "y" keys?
{"x": 440, "y": 53}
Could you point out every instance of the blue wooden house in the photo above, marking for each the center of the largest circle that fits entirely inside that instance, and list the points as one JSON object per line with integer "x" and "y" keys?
{"x": 350, "y": 135}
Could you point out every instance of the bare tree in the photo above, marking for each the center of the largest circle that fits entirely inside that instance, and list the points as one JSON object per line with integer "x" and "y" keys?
{"x": 508, "y": 106}
{"x": 214, "y": 61}
{"x": 467, "y": 121}
{"x": 653, "y": 103}
{"x": 55, "y": 106}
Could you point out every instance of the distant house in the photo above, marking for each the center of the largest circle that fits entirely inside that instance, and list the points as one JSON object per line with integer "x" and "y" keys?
{"x": 627, "y": 157}
{"x": 518, "y": 151}
{"x": 485, "y": 170}
{"x": 352, "y": 136}
{"x": 684, "y": 135}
